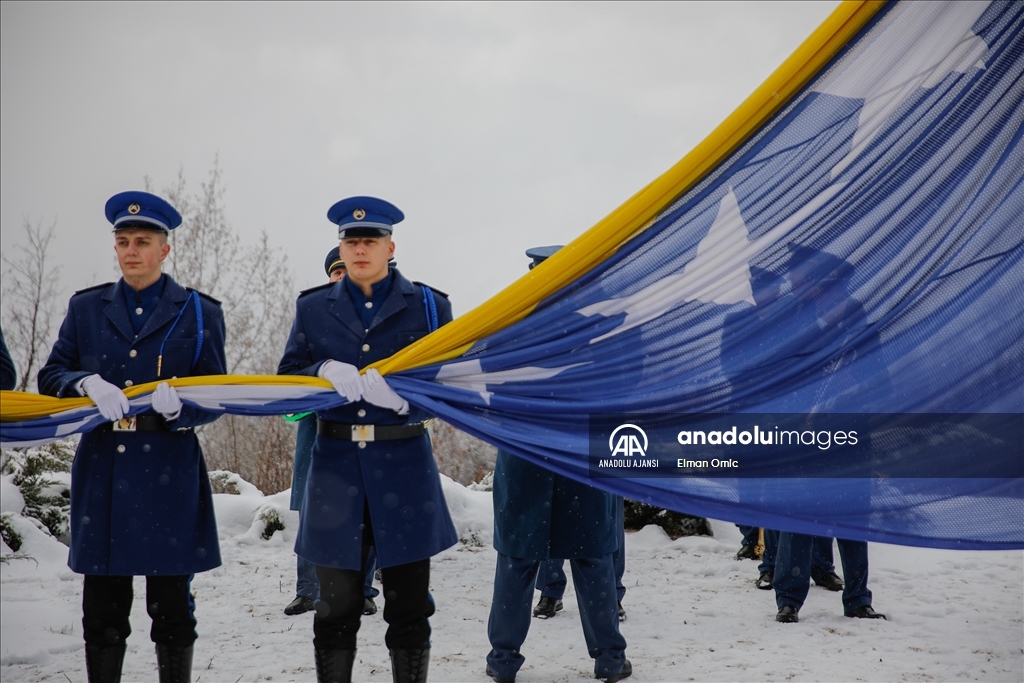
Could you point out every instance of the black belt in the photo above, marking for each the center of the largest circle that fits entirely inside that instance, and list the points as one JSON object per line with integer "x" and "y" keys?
{"x": 347, "y": 432}
{"x": 139, "y": 423}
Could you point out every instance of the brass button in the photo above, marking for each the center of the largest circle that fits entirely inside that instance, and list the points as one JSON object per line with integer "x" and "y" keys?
{"x": 133, "y": 353}
{"x": 369, "y": 304}
{"x": 361, "y": 413}
{"x": 128, "y": 382}
{"x": 366, "y": 347}
{"x": 138, "y": 311}
{"x": 362, "y": 444}
{"x": 120, "y": 449}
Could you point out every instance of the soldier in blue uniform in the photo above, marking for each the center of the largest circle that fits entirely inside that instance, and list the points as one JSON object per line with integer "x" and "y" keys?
{"x": 372, "y": 480}
{"x": 825, "y": 279}
{"x": 551, "y": 579}
{"x": 539, "y": 516}
{"x": 823, "y": 569}
{"x": 307, "y": 588}
{"x": 141, "y": 503}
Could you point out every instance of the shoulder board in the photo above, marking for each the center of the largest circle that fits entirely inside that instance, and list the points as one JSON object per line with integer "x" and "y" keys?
{"x": 315, "y": 289}
{"x": 93, "y": 288}
{"x": 205, "y": 296}
{"x": 435, "y": 289}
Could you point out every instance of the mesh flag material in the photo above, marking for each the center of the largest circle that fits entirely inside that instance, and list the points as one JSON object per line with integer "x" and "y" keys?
{"x": 861, "y": 253}
{"x": 848, "y": 243}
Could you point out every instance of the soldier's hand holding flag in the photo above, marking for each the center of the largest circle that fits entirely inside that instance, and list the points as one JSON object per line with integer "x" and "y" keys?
{"x": 344, "y": 377}
{"x": 110, "y": 400}
{"x": 166, "y": 401}
{"x": 377, "y": 392}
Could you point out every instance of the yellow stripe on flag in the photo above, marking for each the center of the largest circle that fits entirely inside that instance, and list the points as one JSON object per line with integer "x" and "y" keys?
{"x": 516, "y": 301}
{"x": 591, "y": 248}
{"x": 16, "y": 406}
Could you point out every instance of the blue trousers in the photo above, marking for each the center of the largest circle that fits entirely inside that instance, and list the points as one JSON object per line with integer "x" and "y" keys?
{"x": 551, "y": 579}
{"x": 821, "y": 554}
{"x": 749, "y": 534}
{"x": 793, "y": 571}
{"x": 511, "y": 605}
{"x": 308, "y": 586}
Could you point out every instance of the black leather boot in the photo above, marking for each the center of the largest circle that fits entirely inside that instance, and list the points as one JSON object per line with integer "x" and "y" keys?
{"x": 409, "y": 666}
{"x": 174, "y": 663}
{"x": 103, "y": 664}
{"x": 334, "y": 666}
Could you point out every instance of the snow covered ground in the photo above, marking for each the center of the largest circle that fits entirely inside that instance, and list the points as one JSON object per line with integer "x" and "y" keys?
{"x": 693, "y": 613}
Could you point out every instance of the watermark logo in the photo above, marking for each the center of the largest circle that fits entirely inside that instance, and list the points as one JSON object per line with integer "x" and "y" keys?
{"x": 625, "y": 440}
{"x": 807, "y": 445}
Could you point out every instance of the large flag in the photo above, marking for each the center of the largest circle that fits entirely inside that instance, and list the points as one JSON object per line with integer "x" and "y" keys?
{"x": 840, "y": 263}
{"x": 857, "y": 260}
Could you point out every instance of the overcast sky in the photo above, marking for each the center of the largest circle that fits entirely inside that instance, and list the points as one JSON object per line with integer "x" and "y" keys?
{"x": 494, "y": 127}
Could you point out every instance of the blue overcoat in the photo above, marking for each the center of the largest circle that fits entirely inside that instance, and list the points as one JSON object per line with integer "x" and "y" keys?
{"x": 540, "y": 515}
{"x": 397, "y": 480}
{"x": 305, "y": 436}
{"x": 140, "y": 501}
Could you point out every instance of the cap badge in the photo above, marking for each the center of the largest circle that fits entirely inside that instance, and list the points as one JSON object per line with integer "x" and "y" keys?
{"x": 134, "y": 209}
{"x": 359, "y": 214}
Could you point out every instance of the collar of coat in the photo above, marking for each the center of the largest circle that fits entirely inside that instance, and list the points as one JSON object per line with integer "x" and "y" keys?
{"x": 167, "y": 308}
{"x": 342, "y": 307}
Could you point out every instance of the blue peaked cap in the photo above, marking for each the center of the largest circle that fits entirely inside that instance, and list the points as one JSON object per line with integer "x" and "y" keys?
{"x": 141, "y": 211}
{"x": 364, "y": 217}
{"x": 333, "y": 261}
{"x": 540, "y": 254}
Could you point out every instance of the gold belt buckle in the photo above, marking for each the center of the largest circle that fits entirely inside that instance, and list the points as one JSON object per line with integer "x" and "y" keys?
{"x": 362, "y": 432}
{"x": 125, "y": 424}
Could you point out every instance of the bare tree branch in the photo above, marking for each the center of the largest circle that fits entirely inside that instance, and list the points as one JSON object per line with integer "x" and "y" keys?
{"x": 461, "y": 456}
{"x": 256, "y": 289}
{"x": 29, "y": 285}
{"x": 203, "y": 250}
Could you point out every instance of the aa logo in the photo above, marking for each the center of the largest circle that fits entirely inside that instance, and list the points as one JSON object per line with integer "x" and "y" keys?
{"x": 626, "y": 440}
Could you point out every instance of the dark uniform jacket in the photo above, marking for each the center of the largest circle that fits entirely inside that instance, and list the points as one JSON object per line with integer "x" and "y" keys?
{"x": 8, "y": 374}
{"x": 540, "y": 515}
{"x": 140, "y": 501}
{"x": 397, "y": 480}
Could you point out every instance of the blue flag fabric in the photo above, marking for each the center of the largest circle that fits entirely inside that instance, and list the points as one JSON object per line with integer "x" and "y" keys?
{"x": 858, "y": 259}
{"x": 862, "y": 253}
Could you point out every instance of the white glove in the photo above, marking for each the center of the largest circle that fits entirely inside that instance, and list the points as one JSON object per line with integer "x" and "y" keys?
{"x": 111, "y": 401}
{"x": 344, "y": 377}
{"x": 166, "y": 402}
{"x": 377, "y": 392}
